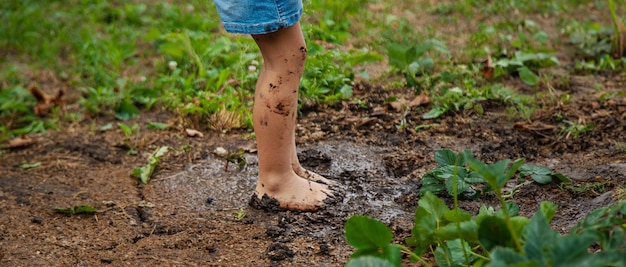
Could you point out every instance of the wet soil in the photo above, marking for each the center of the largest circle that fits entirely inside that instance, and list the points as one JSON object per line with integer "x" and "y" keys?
{"x": 195, "y": 212}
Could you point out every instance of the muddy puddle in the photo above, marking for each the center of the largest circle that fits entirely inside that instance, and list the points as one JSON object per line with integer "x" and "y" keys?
{"x": 366, "y": 186}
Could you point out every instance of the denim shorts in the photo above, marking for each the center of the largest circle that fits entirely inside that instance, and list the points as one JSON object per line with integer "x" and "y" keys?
{"x": 258, "y": 16}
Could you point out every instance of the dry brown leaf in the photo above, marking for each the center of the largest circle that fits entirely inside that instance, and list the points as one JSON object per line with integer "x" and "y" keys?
{"x": 399, "y": 105}
{"x": 22, "y": 141}
{"x": 46, "y": 102}
{"x": 193, "y": 133}
{"x": 488, "y": 68}
{"x": 421, "y": 99}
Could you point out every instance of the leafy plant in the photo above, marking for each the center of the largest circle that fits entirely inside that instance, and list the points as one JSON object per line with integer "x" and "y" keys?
{"x": 26, "y": 166}
{"x": 129, "y": 142}
{"x": 16, "y": 113}
{"x": 619, "y": 30}
{"x": 144, "y": 173}
{"x": 523, "y": 64}
{"x": 590, "y": 39}
{"x": 414, "y": 60}
{"x": 459, "y": 90}
{"x": 541, "y": 175}
{"x": 239, "y": 214}
{"x": 491, "y": 238}
{"x": 453, "y": 174}
{"x": 574, "y": 129}
{"x": 450, "y": 170}
{"x": 328, "y": 74}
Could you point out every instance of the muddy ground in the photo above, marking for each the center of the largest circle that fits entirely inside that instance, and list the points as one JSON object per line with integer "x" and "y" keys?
{"x": 194, "y": 211}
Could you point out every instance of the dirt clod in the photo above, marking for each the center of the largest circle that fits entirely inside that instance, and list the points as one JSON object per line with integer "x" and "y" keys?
{"x": 279, "y": 252}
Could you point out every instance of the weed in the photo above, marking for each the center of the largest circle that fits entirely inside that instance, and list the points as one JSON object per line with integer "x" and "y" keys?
{"x": 26, "y": 166}
{"x": 129, "y": 131}
{"x": 144, "y": 173}
{"x": 157, "y": 125}
{"x": 469, "y": 96}
{"x": 573, "y": 129}
{"x": 621, "y": 146}
{"x": 80, "y": 209}
{"x": 236, "y": 158}
{"x": 329, "y": 74}
{"x": 414, "y": 60}
{"x": 619, "y": 30}
{"x": 523, "y": 63}
{"x": 16, "y": 112}
{"x": 585, "y": 187}
{"x": 590, "y": 39}
{"x": 239, "y": 214}
{"x": 620, "y": 193}
{"x": 610, "y": 95}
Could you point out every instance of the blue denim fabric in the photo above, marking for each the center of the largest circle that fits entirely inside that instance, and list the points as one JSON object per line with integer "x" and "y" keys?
{"x": 258, "y": 16}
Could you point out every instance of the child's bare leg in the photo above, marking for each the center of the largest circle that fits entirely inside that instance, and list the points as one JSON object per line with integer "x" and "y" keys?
{"x": 275, "y": 105}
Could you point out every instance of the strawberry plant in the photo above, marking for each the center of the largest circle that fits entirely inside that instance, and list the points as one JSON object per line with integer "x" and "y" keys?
{"x": 492, "y": 237}
{"x": 453, "y": 172}
{"x": 415, "y": 60}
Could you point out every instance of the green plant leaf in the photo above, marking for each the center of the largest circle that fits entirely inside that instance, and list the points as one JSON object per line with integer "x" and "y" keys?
{"x": 562, "y": 177}
{"x": 106, "y": 127}
{"x": 26, "y": 166}
{"x": 431, "y": 184}
{"x": 493, "y": 232}
{"x": 538, "y": 239}
{"x": 397, "y": 55}
{"x": 601, "y": 258}
{"x": 548, "y": 209}
{"x": 157, "y": 125}
{"x": 423, "y": 232}
{"x": 541, "y": 175}
{"x": 445, "y": 157}
{"x": 365, "y": 233}
{"x": 435, "y": 112}
{"x": 145, "y": 172}
{"x": 80, "y": 209}
{"x": 461, "y": 185}
{"x": 474, "y": 177}
{"x": 452, "y": 254}
{"x": 429, "y": 216}
{"x": 507, "y": 257}
{"x": 527, "y": 76}
{"x": 126, "y": 110}
{"x": 369, "y": 261}
{"x": 433, "y": 205}
{"x": 519, "y": 223}
{"x": 513, "y": 169}
{"x": 569, "y": 249}
{"x": 457, "y": 215}
{"x": 513, "y": 208}
{"x": 393, "y": 254}
{"x": 467, "y": 230}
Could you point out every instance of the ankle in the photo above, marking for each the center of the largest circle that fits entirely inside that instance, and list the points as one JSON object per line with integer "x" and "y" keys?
{"x": 272, "y": 183}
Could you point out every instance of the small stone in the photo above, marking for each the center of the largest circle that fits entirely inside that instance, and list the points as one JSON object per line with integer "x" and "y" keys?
{"x": 220, "y": 151}
{"x": 172, "y": 65}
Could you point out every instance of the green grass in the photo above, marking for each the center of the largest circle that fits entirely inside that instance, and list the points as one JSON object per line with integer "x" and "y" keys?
{"x": 122, "y": 58}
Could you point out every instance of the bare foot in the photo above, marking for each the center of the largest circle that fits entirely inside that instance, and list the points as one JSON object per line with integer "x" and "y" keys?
{"x": 295, "y": 194}
{"x": 309, "y": 175}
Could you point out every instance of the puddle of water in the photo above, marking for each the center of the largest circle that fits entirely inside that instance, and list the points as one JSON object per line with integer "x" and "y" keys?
{"x": 360, "y": 170}
{"x": 208, "y": 185}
